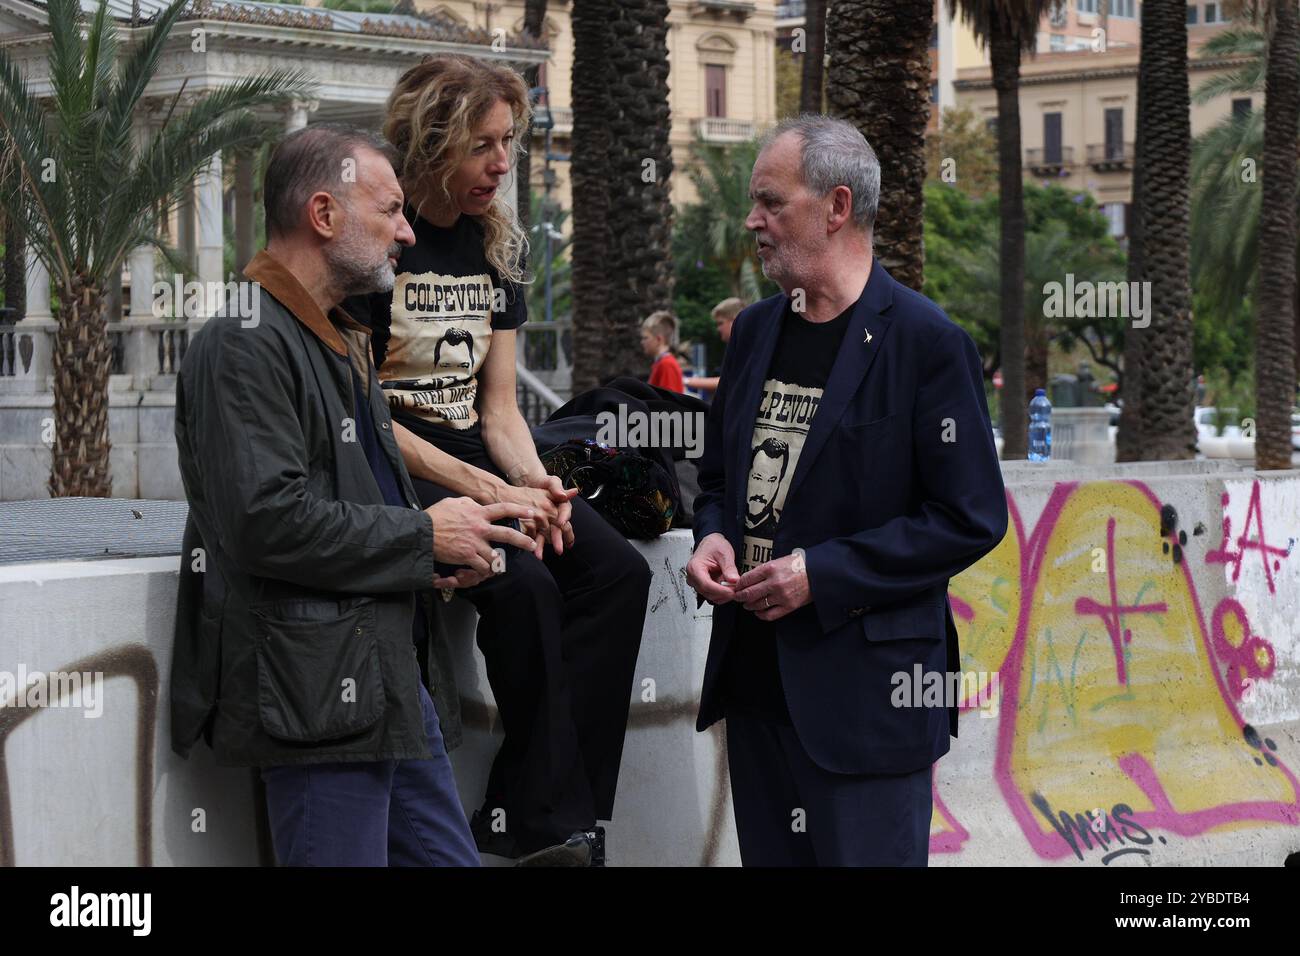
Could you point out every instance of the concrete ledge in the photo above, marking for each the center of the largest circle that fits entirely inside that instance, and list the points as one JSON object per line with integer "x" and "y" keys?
{"x": 1137, "y": 628}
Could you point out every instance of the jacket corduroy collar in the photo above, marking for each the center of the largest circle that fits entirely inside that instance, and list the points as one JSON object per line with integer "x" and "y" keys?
{"x": 276, "y": 279}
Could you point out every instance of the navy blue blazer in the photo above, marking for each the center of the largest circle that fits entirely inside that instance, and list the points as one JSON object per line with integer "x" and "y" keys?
{"x": 898, "y": 489}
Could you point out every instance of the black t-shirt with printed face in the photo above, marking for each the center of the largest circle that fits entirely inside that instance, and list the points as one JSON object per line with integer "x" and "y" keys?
{"x": 792, "y": 392}
{"x": 432, "y": 332}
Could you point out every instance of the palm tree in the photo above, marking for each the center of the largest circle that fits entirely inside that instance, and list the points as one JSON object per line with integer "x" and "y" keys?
{"x": 534, "y": 18}
{"x": 721, "y": 179}
{"x": 1009, "y": 28}
{"x": 1225, "y": 204}
{"x": 84, "y": 196}
{"x": 588, "y": 170}
{"x": 879, "y": 80}
{"x": 1275, "y": 342}
{"x": 620, "y": 168}
{"x": 814, "y": 56}
{"x": 1157, "y": 420}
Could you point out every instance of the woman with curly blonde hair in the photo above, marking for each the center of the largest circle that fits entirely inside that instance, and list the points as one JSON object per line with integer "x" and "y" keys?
{"x": 559, "y": 626}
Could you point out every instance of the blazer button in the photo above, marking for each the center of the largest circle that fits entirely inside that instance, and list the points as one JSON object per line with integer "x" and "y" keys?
{"x": 384, "y": 425}
{"x": 856, "y": 612}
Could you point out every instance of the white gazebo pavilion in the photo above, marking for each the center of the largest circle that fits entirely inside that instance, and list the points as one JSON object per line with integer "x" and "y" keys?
{"x": 355, "y": 60}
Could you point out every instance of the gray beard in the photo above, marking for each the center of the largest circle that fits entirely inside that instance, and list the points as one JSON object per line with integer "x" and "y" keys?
{"x": 350, "y": 272}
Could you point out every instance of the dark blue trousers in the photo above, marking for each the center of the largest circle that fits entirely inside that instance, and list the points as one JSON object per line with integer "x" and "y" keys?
{"x": 374, "y": 813}
{"x": 791, "y": 812}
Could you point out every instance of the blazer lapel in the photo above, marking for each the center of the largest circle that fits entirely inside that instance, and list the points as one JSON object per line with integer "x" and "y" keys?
{"x": 863, "y": 340}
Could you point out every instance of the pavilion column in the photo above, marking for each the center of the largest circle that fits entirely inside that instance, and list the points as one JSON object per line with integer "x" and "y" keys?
{"x": 296, "y": 115}
{"x": 211, "y": 244}
{"x": 38, "y": 288}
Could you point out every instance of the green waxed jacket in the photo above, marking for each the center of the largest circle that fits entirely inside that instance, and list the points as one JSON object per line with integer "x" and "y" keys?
{"x": 298, "y": 584}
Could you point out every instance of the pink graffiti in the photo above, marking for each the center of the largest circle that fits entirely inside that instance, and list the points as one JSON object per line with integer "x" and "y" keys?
{"x": 1164, "y": 815}
{"x": 1222, "y": 555}
{"x": 1243, "y": 659}
{"x": 1113, "y": 614}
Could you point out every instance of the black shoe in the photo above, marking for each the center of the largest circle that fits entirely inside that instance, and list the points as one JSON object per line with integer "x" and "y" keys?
{"x": 488, "y": 840}
{"x": 597, "y": 837}
{"x": 577, "y": 850}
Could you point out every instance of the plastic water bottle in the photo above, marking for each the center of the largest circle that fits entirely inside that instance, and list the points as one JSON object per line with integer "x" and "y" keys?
{"x": 1040, "y": 427}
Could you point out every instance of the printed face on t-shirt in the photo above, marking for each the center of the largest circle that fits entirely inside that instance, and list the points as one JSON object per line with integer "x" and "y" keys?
{"x": 441, "y": 332}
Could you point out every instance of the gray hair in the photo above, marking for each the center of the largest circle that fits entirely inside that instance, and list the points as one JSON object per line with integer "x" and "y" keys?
{"x": 834, "y": 154}
{"x": 308, "y": 161}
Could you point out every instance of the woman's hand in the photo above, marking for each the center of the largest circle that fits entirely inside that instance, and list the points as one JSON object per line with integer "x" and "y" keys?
{"x": 559, "y": 528}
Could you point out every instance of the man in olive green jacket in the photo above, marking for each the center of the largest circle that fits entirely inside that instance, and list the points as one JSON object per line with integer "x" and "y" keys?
{"x": 308, "y": 560}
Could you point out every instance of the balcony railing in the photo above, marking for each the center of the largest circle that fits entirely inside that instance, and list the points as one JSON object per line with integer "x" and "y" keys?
{"x": 562, "y": 117}
{"x": 1110, "y": 156}
{"x": 716, "y": 129}
{"x": 536, "y": 400}
{"x": 740, "y": 9}
{"x": 142, "y": 355}
{"x": 1049, "y": 162}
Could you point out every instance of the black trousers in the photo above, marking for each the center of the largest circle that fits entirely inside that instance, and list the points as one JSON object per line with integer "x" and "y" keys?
{"x": 560, "y": 638}
{"x": 791, "y": 812}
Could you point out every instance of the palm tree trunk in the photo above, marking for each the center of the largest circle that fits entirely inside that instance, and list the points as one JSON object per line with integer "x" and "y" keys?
{"x": 1167, "y": 388}
{"x": 80, "y": 465}
{"x": 810, "y": 89}
{"x": 1004, "y": 54}
{"x": 589, "y": 170}
{"x": 1129, "y": 438}
{"x": 534, "y": 17}
{"x": 879, "y": 80}
{"x": 1275, "y": 370}
{"x": 639, "y": 257}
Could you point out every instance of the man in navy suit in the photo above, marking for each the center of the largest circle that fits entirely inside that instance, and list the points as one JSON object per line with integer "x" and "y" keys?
{"x": 848, "y": 472}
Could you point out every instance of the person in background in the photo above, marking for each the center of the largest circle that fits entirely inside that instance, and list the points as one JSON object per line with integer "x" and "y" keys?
{"x": 724, "y": 314}
{"x": 657, "y": 334}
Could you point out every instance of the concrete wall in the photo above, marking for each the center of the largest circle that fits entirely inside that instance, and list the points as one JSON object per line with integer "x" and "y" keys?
{"x": 142, "y": 460}
{"x": 1140, "y": 668}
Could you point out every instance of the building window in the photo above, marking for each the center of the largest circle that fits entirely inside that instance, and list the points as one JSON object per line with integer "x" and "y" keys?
{"x": 1241, "y": 107}
{"x": 934, "y": 37}
{"x": 1087, "y": 6}
{"x": 1114, "y": 125}
{"x": 1191, "y": 15}
{"x": 1057, "y": 43}
{"x": 1125, "y": 9}
{"x": 715, "y": 91}
{"x": 934, "y": 92}
{"x": 1116, "y": 214}
{"x": 1214, "y": 13}
{"x": 991, "y": 124}
{"x": 1058, "y": 15}
{"x": 1051, "y": 137}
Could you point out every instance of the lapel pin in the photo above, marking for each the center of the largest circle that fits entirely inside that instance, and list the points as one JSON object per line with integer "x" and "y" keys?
{"x": 868, "y": 338}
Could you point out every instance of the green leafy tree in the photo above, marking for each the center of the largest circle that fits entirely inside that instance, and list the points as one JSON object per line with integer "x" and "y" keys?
{"x": 963, "y": 153}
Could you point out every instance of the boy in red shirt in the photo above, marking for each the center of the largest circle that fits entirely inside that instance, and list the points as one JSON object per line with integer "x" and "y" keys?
{"x": 657, "y": 334}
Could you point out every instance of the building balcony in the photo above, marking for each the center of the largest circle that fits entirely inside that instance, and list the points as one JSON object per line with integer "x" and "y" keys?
{"x": 1109, "y": 157}
{"x": 1049, "y": 162}
{"x": 740, "y": 9}
{"x": 717, "y": 129}
{"x": 562, "y": 117}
